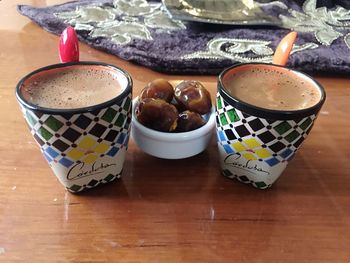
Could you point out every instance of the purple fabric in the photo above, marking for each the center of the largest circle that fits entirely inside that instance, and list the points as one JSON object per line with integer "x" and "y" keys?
{"x": 165, "y": 52}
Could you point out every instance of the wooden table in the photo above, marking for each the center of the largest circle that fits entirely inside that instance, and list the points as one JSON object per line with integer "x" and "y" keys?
{"x": 163, "y": 210}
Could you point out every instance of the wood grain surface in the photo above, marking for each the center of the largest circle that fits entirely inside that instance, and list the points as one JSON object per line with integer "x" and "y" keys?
{"x": 163, "y": 210}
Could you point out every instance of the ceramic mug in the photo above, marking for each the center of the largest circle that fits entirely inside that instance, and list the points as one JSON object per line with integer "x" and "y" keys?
{"x": 255, "y": 144}
{"x": 85, "y": 147}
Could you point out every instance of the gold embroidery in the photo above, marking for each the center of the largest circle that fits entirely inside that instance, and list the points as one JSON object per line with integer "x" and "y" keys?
{"x": 128, "y": 20}
{"x": 123, "y": 22}
{"x": 242, "y": 50}
{"x": 324, "y": 23}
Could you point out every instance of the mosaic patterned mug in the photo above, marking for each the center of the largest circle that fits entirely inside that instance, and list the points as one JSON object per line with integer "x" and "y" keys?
{"x": 85, "y": 147}
{"x": 256, "y": 144}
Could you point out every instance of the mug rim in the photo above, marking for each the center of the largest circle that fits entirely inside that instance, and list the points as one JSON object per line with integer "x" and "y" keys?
{"x": 127, "y": 90}
{"x": 269, "y": 113}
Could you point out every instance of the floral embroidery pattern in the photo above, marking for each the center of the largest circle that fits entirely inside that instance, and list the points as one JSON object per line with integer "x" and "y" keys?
{"x": 324, "y": 23}
{"x": 122, "y": 22}
{"x": 158, "y": 18}
{"x": 135, "y": 7}
{"x": 347, "y": 40}
{"x": 320, "y": 21}
{"x": 242, "y": 50}
{"x": 275, "y": 3}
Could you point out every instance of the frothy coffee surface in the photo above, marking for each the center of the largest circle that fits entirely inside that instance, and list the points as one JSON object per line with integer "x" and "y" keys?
{"x": 72, "y": 87}
{"x": 272, "y": 89}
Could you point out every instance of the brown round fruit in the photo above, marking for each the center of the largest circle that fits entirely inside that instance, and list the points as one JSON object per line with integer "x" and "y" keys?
{"x": 157, "y": 114}
{"x": 188, "y": 121}
{"x": 158, "y": 89}
{"x": 193, "y": 96}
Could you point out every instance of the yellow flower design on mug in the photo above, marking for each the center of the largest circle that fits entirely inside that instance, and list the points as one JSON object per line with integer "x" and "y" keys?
{"x": 88, "y": 150}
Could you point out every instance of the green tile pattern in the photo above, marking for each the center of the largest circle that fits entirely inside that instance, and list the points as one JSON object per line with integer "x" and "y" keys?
{"x": 223, "y": 119}
{"x": 292, "y": 136}
{"x": 283, "y": 127}
{"x": 218, "y": 103}
{"x": 306, "y": 124}
{"x": 53, "y": 123}
{"x": 120, "y": 120}
{"x": 32, "y": 120}
{"x": 127, "y": 104}
{"x": 109, "y": 115}
{"x": 232, "y": 115}
{"x": 45, "y": 133}
{"x": 275, "y": 142}
{"x": 68, "y": 138}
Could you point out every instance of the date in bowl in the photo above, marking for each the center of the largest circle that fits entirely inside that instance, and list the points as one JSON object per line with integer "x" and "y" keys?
{"x": 172, "y": 145}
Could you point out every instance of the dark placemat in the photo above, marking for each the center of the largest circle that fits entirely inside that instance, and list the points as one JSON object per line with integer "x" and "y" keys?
{"x": 143, "y": 32}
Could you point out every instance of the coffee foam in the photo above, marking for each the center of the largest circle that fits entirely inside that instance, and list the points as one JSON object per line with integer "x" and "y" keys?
{"x": 275, "y": 89}
{"x": 73, "y": 87}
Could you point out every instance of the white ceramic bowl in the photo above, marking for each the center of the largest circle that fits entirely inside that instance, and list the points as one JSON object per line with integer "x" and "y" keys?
{"x": 168, "y": 145}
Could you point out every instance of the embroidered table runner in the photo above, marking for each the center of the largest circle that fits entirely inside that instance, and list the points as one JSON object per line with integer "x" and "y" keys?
{"x": 143, "y": 32}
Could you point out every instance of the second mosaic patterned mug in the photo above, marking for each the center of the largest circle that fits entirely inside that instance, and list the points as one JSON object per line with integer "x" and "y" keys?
{"x": 85, "y": 147}
{"x": 255, "y": 144}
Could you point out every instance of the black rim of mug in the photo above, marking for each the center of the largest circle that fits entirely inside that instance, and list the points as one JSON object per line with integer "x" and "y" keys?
{"x": 267, "y": 113}
{"x": 33, "y": 107}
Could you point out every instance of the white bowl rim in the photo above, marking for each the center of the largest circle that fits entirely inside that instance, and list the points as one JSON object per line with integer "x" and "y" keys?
{"x": 175, "y": 136}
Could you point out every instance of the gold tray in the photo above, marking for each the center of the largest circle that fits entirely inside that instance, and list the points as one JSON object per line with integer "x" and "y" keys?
{"x": 230, "y": 12}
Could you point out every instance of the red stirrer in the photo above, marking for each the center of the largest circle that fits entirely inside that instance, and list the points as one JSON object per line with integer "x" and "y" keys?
{"x": 69, "y": 46}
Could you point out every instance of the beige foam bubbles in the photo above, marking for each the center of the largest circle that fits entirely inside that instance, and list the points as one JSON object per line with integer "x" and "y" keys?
{"x": 275, "y": 89}
{"x": 73, "y": 87}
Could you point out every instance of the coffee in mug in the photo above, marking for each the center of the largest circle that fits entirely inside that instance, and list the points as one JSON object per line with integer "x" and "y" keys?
{"x": 285, "y": 90}
{"x": 75, "y": 87}
{"x": 264, "y": 112}
{"x": 80, "y": 114}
